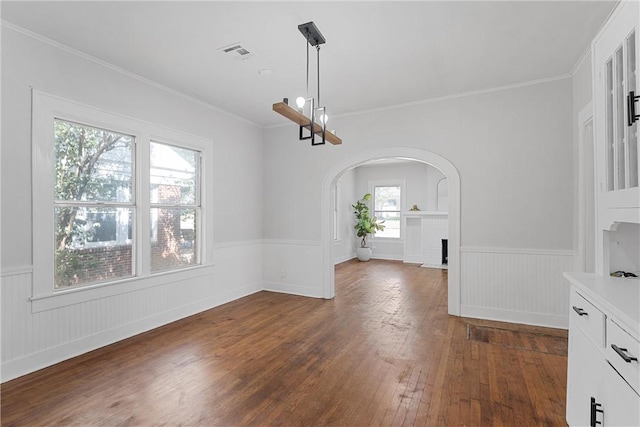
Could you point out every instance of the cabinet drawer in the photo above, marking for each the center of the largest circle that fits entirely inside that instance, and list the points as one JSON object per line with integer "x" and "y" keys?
{"x": 623, "y": 352}
{"x": 587, "y": 317}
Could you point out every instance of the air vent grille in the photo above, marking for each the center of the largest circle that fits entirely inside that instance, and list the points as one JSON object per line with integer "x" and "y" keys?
{"x": 236, "y": 51}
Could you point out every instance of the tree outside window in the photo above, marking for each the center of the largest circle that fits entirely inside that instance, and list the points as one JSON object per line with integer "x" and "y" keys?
{"x": 175, "y": 206}
{"x": 94, "y": 204}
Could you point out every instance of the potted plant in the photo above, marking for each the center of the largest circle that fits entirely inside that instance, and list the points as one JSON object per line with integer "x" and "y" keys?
{"x": 365, "y": 225}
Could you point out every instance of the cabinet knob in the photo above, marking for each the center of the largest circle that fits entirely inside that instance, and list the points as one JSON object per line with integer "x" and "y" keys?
{"x": 622, "y": 353}
{"x": 580, "y": 311}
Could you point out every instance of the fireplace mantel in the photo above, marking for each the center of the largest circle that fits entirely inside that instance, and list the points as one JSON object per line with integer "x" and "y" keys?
{"x": 424, "y": 213}
{"x": 423, "y": 238}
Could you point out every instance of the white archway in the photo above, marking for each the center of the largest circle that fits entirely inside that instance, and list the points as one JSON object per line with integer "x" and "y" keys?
{"x": 447, "y": 168}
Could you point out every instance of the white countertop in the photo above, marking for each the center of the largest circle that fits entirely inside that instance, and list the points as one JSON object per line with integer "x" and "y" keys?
{"x": 618, "y": 295}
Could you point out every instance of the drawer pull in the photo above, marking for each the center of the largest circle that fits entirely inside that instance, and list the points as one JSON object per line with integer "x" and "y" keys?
{"x": 594, "y": 412}
{"x": 621, "y": 353}
{"x": 632, "y": 117}
{"x": 580, "y": 311}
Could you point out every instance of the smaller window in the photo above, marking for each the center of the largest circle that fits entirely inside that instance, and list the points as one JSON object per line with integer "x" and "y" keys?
{"x": 387, "y": 204}
{"x": 175, "y": 207}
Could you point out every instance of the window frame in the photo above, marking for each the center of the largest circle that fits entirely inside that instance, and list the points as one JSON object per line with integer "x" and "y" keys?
{"x": 45, "y": 109}
{"x": 196, "y": 205}
{"x": 388, "y": 183}
{"x": 336, "y": 213}
{"x": 97, "y": 204}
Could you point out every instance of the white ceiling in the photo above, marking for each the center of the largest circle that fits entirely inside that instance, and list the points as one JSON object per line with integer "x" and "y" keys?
{"x": 378, "y": 54}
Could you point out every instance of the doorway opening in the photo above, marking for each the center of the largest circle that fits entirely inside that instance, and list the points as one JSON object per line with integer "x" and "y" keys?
{"x": 418, "y": 155}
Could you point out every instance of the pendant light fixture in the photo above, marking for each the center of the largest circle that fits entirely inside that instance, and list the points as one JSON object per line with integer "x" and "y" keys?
{"x": 309, "y": 112}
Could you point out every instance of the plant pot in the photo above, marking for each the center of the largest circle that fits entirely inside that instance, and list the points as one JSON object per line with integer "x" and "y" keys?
{"x": 364, "y": 254}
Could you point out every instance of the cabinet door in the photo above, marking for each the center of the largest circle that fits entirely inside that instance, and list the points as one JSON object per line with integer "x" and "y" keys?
{"x": 616, "y": 52}
{"x": 583, "y": 376}
{"x": 622, "y": 404}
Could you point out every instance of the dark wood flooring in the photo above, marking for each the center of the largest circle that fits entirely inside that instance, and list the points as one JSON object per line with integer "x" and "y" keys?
{"x": 383, "y": 352}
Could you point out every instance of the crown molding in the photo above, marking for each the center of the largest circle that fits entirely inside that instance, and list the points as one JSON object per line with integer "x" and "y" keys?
{"x": 447, "y": 97}
{"x": 123, "y": 71}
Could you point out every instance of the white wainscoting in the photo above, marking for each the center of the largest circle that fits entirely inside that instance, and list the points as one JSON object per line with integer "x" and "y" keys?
{"x": 293, "y": 267}
{"x": 32, "y": 341}
{"x": 344, "y": 258}
{"x": 389, "y": 249}
{"x": 516, "y": 285}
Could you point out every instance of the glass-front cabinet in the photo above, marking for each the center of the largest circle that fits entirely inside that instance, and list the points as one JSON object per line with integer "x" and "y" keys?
{"x": 616, "y": 53}
{"x": 616, "y": 76}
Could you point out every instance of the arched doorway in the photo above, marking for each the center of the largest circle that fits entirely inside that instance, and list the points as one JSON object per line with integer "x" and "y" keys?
{"x": 447, "y": 168}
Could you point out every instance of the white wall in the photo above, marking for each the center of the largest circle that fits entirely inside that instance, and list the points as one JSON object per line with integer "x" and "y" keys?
{"x": 31, "y": 340}
{"x": 345, "y": 247}
{"x": 513, "y": 149}
{"x": 421, "y": 181}
{"x": 582, "y": 95}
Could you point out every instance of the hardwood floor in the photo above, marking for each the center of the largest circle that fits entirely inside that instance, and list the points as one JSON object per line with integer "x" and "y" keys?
{"x": 383, "y": 352}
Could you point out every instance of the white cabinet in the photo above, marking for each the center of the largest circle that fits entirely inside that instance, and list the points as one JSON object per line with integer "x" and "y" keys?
{"x": 616, "y": 54}
{"x": 622, "y": 407}
{"x": 584, "y": 360}
{"x": 603, "y": 377}
{"x": 603, "y": 372}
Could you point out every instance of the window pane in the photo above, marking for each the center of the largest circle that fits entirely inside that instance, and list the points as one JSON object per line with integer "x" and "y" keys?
{"x": 92, "y": 245}
{"x": 173, "y": 238}
{"x": 632, "y": 131}
{"x": 387, "y": 205}
{"x": 619, "y": 119}
{"x": 391, "y": 224}
{"x": 92, "y": 164}
{"x": 387, "y": 198}
{"x": 609, "y": 124}
{"x": 173, "y": 174}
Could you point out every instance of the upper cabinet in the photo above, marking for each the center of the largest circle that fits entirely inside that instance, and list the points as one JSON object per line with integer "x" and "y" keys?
{"x": 615, "y": 58}
{"x": 616, "y": 87}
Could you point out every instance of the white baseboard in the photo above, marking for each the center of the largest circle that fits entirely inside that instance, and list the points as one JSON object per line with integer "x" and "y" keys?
{"x": 344, "y": 258}
{"x": 389, "y": 257}
{"x": 36, "y": 361}
{"x": 440, "y": 266}
{"x": 287, "y": 288}
{"x": 522, "y": 317}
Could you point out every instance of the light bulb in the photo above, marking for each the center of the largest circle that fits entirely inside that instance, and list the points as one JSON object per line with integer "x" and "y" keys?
{"x": 300, "y": 101}
{"x": 324, "y": 118}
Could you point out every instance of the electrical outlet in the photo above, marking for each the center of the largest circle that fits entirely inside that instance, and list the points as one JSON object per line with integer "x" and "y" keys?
{"x": 283, "y": 273}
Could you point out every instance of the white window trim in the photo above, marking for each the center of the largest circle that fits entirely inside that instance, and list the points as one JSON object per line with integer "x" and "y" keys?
{"x": 389, "y": 183}
{"x": 336, "y": 213}
{"x": 45, "y": 109}
{"x": 196, "y": 205}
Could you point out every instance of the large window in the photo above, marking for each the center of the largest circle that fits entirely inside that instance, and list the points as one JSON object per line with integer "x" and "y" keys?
{"x": 387, "y": 206}
{"x": 116, "y": 200}
{"x": 93, "y": 205}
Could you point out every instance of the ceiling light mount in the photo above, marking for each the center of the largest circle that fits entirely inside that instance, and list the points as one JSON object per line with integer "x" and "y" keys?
{"x": 309, "y": 108}
{"x": 312, "y": 34}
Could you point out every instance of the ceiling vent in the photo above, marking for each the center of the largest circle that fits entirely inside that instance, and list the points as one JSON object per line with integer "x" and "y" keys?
{"x": 236, "y": 51}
